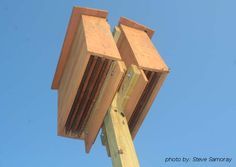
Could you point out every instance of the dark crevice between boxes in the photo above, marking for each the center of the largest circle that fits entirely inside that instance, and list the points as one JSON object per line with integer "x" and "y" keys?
{"x": 153, "y": 78}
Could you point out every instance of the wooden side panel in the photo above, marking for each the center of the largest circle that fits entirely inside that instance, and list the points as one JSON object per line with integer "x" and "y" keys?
{"x": 144, "y": 52}
{"x": 99, "y": 39}
{"x": 71, "y": 78}
{"x": 135, "y": 95}
{"x": 71, "y": 30}
{"x": 148, "y": 105}
{"x": 103, "y": 102}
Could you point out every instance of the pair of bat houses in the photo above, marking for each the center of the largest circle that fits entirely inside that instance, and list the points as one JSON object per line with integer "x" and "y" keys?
{"x": 106, "y": 81}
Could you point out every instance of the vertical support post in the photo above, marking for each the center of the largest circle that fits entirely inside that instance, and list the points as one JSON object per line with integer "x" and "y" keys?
{"x": 116, "y": 135}
{"x": 119, "y": 139}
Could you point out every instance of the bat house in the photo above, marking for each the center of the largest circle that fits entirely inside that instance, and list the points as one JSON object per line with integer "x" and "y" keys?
{"x": 135, "y": 47}
{"x": 89, "y": 68}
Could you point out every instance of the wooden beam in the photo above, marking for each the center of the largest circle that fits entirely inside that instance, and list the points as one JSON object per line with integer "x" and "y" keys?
{"x": 116, "y": 135}
{"x": 119, "y": 140}
{"x": 133, "y": 92}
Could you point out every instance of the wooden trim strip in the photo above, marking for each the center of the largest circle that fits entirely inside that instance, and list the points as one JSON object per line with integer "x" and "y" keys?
{"x": 133, "y": 24}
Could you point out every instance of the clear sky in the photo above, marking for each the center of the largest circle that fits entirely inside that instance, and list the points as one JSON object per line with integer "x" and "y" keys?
{"x": 193, "y": 115}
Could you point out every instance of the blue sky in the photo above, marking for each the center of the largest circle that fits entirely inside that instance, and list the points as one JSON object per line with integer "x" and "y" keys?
{"x": 193, "y": 115}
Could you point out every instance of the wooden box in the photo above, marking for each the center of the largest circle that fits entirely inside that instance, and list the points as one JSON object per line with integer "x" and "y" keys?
{"x": 89, "y": 68}
{"x": 135, "y": 47}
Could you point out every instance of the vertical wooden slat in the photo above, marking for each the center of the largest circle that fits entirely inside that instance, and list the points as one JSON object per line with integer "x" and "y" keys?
{"x": 108, "y": 90}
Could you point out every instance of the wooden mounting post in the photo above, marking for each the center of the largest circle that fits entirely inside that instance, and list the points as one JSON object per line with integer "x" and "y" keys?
{"x": 116, "y": 135}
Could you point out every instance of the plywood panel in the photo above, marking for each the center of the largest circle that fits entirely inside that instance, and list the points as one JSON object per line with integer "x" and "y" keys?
{"x": 72, "y": 74}
{"x": 67, "y": 97}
